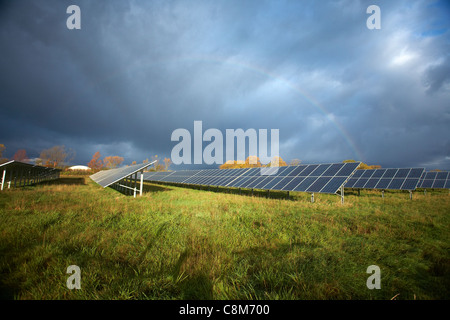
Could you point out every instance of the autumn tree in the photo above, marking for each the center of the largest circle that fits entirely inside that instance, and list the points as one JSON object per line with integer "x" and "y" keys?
{"x": 112, "y": 162}
{"x": 277, "y": 162}
{"x": 20, "y": 155}
{"x": 167, "y": 163}
{"x": 295, "y": 162}
{"x": 2, "y": 148}
{"x": 133, "y": 163}
{"x": 56, "y": 156}
{"x": 232, "y": 164}
{"x": 156, "y": 164}
{"x": 250, "y": 162}
{"x": 96, "y": 163}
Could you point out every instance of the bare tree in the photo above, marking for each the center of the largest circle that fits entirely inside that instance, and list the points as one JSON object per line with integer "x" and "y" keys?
{"x": 57, "y": 156}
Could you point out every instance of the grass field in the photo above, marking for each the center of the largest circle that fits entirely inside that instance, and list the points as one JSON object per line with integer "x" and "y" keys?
{"x": 178, "y": 243}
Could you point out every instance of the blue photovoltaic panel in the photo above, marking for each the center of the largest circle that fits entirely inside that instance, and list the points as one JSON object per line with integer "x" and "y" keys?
{"x": 396, "y": 184}
{"x": 305, "y": 184}
{"x": 360, "y": 183}
{"x": 351, "y": 182}
{"x": 334, "y": 184}
{"x": 357, "y": 174}
{"x": 317, "y": 185}
{"x": 371, "y": 183}
{"x": 435, "y": 180}
{"x": 395, "y": 179}
{"x": 378, "y": 173}
{"x": 389, "y": 173}
{"x": 333, "y": 169}
{"x": 319, "y": 170}
{"x": 293, "y": 183}
{"x": 367, "y": 174}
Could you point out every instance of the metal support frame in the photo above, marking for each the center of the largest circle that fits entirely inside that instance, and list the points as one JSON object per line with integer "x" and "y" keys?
{"x": 312, "y": 197}
{"x": 410, "y": 194}
{"x": 129, "y": 184}
{"x": 342, "y": 194}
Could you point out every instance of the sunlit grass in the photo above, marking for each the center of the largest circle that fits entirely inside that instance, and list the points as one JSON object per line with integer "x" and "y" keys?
{"x": 180, "y": 243}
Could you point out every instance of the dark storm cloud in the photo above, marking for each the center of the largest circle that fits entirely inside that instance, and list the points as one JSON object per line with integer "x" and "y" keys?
{"x": 138, "y": 70}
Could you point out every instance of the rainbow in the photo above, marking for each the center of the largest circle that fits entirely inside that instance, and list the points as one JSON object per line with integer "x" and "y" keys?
{"x": 266, "y": 73}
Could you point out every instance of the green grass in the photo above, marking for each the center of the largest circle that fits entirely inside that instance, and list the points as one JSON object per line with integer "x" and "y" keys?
{"x": 179, "y": 243}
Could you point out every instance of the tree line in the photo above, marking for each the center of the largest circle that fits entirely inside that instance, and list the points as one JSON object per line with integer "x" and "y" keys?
{"x": 112, "y": 162}
{"x": 254, "y": 162}
{"x": 54, "y": 157}
{"x": 59, "y": 156}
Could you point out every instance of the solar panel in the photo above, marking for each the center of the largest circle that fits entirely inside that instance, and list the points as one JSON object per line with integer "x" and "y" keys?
{"x": 435, "y": 180}
{"x": 323, "y": 178}
{"x": 386, "y": 179}
{"x": 106, "y": 178}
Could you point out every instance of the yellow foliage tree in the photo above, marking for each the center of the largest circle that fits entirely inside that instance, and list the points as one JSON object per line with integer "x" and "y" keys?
{"x": 112, "y": 161}
{"x": 277, "y": 162}
{"x": 364, "y": 166}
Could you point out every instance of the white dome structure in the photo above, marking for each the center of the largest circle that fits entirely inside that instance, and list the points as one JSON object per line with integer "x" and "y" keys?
{"x": 79, "y": 168}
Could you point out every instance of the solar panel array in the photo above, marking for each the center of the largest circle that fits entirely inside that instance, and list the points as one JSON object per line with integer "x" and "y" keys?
{"x": 386, "y": 179}
{"x": 17, "y": 173}
{"x": 435, "y": 180}
{"x": 106, "y": 178}
{"x": 320, "y": 178}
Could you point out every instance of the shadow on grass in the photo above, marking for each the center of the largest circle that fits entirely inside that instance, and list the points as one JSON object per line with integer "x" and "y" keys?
{"x": 154, "y": 188}
{"x": 195, "y": 287}
{"x": 66, "y": 181}
{"x": 8, "y": 292}
{"x": 270, "y": 194}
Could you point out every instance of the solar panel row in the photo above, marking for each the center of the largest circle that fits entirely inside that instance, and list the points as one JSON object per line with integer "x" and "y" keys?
{"x": 435, "y": 180}
{"x": 320, "y": 178}
{"x": 17, "y": 174}
{"x": 386, "y": 179}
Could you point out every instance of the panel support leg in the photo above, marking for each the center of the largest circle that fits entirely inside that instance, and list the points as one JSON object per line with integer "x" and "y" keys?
{"x": 410, "y": 194}
{"x": 142, "y": 183}
{"x": 312, "y": 197}
{"x": 342, "y": 194}
{"x": 3, "y": 178}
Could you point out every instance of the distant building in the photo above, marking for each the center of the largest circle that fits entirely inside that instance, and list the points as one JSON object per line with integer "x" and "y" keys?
{"x": 79, "y": 168}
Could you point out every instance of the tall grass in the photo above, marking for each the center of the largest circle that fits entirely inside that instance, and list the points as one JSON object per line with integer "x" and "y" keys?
{"x": 177, "y": 243}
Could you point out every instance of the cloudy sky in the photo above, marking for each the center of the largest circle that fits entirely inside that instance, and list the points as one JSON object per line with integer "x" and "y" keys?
{"x": 138, "y": 70}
